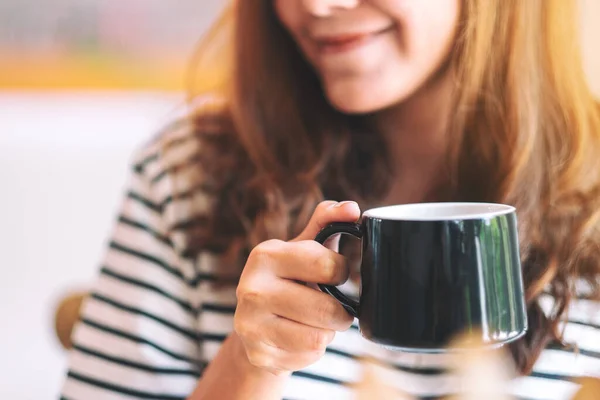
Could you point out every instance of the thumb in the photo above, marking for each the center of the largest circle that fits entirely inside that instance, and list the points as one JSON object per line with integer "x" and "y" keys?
{"x": 328, "y": 212}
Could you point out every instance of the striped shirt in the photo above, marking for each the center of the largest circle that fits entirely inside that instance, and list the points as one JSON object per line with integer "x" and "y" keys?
{"x": 154, "y": 319}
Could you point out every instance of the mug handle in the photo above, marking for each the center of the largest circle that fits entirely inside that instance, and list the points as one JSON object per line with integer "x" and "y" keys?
{"x": 355, "y": 230}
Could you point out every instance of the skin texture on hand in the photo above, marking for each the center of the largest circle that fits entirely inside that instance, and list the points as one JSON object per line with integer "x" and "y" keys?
{"x": 284, "y": 324}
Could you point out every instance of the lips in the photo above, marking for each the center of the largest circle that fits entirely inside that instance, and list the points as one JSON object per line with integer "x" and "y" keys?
{"x": 345, "y": 42}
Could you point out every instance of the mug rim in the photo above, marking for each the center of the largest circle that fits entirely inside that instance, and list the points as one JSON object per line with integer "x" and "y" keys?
{"x": 402, "y": 212}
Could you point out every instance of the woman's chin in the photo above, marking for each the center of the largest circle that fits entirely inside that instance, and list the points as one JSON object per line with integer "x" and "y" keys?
{"x": 361, "y": 101}
{"x": 351, "y": 106}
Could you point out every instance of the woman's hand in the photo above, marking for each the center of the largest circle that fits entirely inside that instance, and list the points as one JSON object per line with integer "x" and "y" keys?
{"x": 285, "y": 325}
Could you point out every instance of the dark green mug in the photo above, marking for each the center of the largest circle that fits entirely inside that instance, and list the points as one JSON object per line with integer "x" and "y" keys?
{"x": 432, "y": 271}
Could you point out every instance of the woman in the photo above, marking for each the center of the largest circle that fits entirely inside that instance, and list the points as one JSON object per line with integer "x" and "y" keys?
{"x": 368, "y": 102}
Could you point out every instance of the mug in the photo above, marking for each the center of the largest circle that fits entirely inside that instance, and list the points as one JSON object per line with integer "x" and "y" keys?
{"x": 432, "y": 271}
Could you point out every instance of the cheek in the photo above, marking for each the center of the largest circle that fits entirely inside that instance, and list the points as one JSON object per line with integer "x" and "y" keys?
{"x": 432, "y": 25}
{"x": 425, "y": 26}
{"x": 288, "y": 14}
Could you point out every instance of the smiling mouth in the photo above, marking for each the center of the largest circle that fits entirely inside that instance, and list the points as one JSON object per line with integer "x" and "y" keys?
{"x": 343, "y": 43}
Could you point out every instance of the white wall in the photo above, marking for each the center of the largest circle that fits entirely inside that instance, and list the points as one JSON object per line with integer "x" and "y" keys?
{"x": 63, "y": 159}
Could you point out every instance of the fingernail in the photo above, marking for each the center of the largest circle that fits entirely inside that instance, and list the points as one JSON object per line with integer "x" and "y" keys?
{"x": 343, "y": 203}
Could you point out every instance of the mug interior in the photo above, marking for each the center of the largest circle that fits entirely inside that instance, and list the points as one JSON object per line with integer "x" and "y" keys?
{"x": 439, "y": 211}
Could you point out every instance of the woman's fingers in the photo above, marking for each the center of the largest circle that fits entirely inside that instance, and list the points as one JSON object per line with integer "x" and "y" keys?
{"x": 314, "y": 308}
{"x": 284, "y": 325}
{"x": 306, "y": 261}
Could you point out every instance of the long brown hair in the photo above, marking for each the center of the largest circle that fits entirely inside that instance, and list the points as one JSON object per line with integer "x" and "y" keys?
{"x": 527, "y": 133}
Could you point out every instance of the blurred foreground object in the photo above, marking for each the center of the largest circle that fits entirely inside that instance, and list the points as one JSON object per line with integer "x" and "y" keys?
{"x": 483, "y": 373}
{"x": 373, "y": 387}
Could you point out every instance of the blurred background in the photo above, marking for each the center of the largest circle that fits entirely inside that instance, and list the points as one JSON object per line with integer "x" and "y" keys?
{"x": 82, "y": 84}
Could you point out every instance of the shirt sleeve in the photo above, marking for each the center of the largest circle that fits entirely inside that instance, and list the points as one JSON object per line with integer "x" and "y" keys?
{"x": 137, "y": 335}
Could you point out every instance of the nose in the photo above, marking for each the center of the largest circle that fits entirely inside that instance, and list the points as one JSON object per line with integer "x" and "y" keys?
{"x": 324, "y": 8}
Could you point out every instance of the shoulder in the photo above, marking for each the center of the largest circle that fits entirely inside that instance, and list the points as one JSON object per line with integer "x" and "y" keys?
{"x": 187, "y": 167}
{"x": 205, "y": 118}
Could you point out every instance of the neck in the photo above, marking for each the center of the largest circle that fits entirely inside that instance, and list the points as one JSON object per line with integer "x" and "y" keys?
{"x": 415, "y": 133}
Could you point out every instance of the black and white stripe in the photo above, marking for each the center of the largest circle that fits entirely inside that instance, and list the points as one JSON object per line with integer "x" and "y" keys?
{"x": 153, "y": 320}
